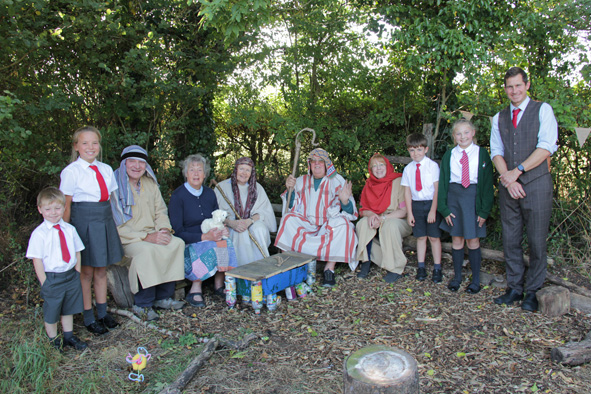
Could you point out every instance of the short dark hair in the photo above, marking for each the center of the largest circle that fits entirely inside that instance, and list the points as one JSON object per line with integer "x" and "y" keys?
{"x": 513, "y": 71}
{"x": 415, "y": 140}
{"x": 49, "y": 195}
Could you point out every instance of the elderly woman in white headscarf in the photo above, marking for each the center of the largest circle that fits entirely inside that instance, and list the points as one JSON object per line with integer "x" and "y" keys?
{"x": 146, "y": 234}
{"x": 319, "y": 220}
{"x": 244, "y": 195}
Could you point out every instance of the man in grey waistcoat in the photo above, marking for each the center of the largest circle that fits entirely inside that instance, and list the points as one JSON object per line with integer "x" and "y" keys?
{"x": 522, "y": 138}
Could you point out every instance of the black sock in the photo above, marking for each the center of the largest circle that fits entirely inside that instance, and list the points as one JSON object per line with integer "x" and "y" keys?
{"x": 101, "y": 310}
{"x": 422, "y": 265}
{"x": 458, "y": 260}
{"x": 475, "y": 256}
{"x": 68, "y": 334}
{"x": 437, "y": 266}
{"x": 88, "y": 316}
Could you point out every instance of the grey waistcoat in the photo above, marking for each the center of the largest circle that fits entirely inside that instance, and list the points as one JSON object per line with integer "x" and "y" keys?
{"x": 520, "y": 142}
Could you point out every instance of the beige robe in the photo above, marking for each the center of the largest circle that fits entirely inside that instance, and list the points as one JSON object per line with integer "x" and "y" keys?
{"x": 386, "y": 251}
{"x": 153, "y": 264}
{"x": 246, "y": 250}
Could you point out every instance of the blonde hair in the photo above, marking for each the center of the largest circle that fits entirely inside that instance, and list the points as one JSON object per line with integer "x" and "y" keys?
{"x": 460, "y": 122}
{"x": 49, "y": 195}
{"x": 76, "y": 135}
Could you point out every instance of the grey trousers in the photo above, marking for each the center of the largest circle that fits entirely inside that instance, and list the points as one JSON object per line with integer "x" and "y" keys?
{"x": 534, "y": 213}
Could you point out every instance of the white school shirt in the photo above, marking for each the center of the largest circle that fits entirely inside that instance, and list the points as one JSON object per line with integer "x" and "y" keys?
{"x": 547, "y": 136}
{"x": 45, "y": 244}
{"x": 79, "y": 180}
{"x": 455, "y": 168}
{"x": 429, "y": 175}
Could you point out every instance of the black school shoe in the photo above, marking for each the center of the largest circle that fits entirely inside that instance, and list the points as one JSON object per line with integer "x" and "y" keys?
{"x": 75, "y": 343}
{"x": 96, "y": 328}
{"x": 57, "y": 343}
{"x": 437, "y": 276}
{"x": 421, "y": 274}
{"x": 108, "y": 322}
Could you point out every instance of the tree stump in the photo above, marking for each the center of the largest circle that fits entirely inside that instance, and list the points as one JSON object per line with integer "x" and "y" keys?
{"x": 580, "y": 303}
{"x": 554, "y": 300}
{"x": 379, "y": 369}
{"x": 118, "y": 284}
{"x": 573, "y": 353}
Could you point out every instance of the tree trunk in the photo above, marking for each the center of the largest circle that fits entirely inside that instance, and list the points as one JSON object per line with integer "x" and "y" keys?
{"x": 379, "y": 369}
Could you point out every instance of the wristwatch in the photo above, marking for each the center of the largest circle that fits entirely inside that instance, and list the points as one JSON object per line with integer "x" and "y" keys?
{"x": 520, "y": 168}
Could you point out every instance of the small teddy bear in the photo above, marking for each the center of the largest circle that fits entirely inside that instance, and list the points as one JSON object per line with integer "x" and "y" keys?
{"x": 217, "y": 221}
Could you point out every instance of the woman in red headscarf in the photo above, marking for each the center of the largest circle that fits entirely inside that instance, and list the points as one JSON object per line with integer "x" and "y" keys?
{"x": 383, "y": 221}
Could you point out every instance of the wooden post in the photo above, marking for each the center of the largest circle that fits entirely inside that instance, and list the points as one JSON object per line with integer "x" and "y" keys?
{"x": 379, "y": 369}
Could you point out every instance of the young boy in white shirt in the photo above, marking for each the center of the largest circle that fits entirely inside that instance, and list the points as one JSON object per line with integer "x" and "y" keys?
{"x": 55, "y": 248}
{"x": 420, "y": 180}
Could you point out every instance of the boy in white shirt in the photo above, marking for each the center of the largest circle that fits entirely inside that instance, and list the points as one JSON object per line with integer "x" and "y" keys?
{"x": 420, "y": 180}
{"x": 55, "y": 248}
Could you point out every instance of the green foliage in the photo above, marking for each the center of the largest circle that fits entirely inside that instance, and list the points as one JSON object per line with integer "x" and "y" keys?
{"x": 142, "y": 72}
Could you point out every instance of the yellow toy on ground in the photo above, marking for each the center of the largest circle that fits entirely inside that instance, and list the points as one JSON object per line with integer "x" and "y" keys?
{"x": 138, "y": 362}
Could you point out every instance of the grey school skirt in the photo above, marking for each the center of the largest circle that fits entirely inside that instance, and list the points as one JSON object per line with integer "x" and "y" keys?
{"x": 95, "y": 226}
{"x": 462, "y": 203}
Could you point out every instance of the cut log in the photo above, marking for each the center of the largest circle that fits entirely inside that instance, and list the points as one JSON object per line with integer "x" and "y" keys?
{"x": 118, "y": 284}
{"x": 580, "y": 303}
{"x": 554, "y": 300}
{"x": 185, "y": 377}
{"x": 569, "y": 285}
{"x": 488, "y": 254}
{"x": 573, "y": 353}
{"x": 379, "y": 369}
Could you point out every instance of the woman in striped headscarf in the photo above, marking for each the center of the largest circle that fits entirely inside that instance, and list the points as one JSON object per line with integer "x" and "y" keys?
{"x": 318, "y": 222}
{"x": 251, "y": 203}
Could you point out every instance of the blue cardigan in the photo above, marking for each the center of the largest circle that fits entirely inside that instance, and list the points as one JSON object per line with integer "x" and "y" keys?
{"x": 187, "y": 212}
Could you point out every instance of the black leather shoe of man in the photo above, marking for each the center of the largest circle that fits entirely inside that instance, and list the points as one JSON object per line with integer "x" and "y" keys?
{"x": 530, "y": 302}
{"x": 96, "y": 328}
{"x": 329, "y": 280}
{"x": 364, "y": 271}
{"x": 421, "y": 274}
{"x": 75, "y": 343}
{"x": 509, "y": 297}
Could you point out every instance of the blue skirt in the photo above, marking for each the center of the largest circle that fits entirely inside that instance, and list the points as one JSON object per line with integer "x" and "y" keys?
{"x": 462, "y": 203}
{"x": 96, "y": 228}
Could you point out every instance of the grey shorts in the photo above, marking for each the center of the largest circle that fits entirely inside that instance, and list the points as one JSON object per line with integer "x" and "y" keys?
{"x": 62, "y": 295}
{"x": 420, "y": 211}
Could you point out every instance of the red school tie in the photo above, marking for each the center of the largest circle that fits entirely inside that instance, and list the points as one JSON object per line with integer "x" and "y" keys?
{"x": 63, "y": 244}
{"x": 418, "y": 179}
{"x": 515, "y": 113}
{"x": 465, "y": 170}
{"x": 102, "y": 184}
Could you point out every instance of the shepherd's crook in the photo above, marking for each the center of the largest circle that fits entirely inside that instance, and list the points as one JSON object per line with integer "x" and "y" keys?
{"x": 298, "y": 146}
{"x": 264, "y": 253}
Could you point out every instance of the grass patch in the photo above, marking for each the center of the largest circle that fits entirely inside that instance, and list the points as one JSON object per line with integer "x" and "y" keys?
{"x": 28, "y": 364}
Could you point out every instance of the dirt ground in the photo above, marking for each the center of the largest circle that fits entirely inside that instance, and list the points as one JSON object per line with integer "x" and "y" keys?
{"x": 463, "y": 343}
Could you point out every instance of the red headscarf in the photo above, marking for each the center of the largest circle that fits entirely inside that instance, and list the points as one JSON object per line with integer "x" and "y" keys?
{"x": 376, "y": 193}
